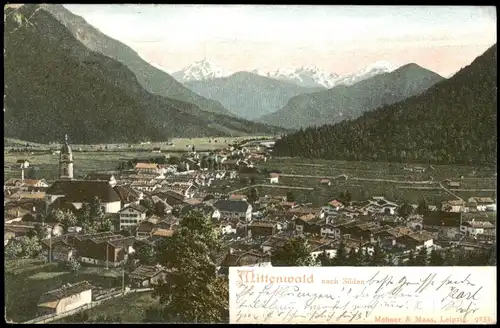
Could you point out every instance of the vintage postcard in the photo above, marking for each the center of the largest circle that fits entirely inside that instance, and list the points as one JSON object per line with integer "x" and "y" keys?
{"x": 250, "y": 164}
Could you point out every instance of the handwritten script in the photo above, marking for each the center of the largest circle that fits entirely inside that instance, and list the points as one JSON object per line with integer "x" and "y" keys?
{"x": 406, "y": 295}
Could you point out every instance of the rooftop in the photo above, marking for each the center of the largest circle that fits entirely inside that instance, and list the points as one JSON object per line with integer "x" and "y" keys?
{"x": 63, "y": 292}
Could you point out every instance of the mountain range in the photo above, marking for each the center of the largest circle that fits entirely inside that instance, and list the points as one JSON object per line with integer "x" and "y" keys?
{"x": 56, "y": 83}
{"x": 454, "y": 121}
{"x": 248, "y": 95}
{"x": 344, "y": 102}
{"x": 306, "y": 76}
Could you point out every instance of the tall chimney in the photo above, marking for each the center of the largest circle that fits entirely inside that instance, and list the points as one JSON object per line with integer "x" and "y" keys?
{"x": 22, "y": 174}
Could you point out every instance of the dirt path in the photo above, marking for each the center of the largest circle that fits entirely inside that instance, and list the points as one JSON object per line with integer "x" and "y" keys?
{"x": 357, "y": 179}
{"x": 269, "y": 186}
{"x": 450, "y": 192}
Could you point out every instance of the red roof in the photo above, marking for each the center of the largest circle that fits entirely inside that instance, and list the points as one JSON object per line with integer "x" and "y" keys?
{"x": 336, "y": 203}
{"x": 274, "y": 175}
{"x": 324, "y": 180}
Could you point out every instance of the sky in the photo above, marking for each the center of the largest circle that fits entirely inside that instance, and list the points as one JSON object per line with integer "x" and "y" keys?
{"x": 339, "y": 39}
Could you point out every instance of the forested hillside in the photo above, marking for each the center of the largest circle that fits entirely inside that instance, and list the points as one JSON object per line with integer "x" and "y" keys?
{"x": 452, "y": 122}
{"x": 55, "y": 85}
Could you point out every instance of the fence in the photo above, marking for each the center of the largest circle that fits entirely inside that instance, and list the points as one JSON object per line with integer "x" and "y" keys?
{"x": 53, "y": 317}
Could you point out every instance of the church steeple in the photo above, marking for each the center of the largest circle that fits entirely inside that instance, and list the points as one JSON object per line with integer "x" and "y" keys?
{"x": 66, "y": 160}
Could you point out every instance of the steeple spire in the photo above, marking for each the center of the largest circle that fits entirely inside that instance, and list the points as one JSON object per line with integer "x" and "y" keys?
{"x": 66, "y": 138}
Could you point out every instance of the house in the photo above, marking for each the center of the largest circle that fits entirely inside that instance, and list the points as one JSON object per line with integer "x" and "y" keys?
{"x": 78, "y": 192}
{"x": 325, "y": 182}
{"x": 237, "y": 197}
{"x": 329, "y": 231}
{"x": 336, "y": 205}
{"x": 128, "y": 195}
{"x": 453, "y": 184}
{"x": 146, "y": 168}
{"x": 454, "y": 205}
{"x": 307, "y": 223}
{"x": 66, "y": 298}
{"x": 319, "y": 246}
{"x": 144, "y": 186}
{"x": 274, "y": 178}
{"x": 26, "y": 184}
{"x": 447, "y": 224}
{"x": 262, "y": 229}
{"x": 148, "y": 276}
{"x": 245, "y": 258}
{"x": 479, "y": 227}
{"x": 131, "y": 216}
{"x": 379, "y": 204}
{"x": 361, "y": 230}
{"x": 110, "y": 178}
{"x": 23, "y": 163}
{"x": 482, "y": 204}
{"x": 103, "y": 249}
{"x": 227, "y": 209}
{"x": 187, "y": 190}
{"x": 156, "y": 150}
{"x": 419, "y": 169}
{"x": 416, "y": 240}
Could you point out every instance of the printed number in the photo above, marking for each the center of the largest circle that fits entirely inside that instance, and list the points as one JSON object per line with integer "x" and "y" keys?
{"x": 484, "y": 320}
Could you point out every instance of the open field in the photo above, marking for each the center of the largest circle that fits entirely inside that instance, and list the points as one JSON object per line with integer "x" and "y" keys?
{"x": 366, "y": 179}
{"x": 129, "y": 308}
{"x": 176, "y": 144}
{"x": 104, "y": 157}
{"x": 27, "y": 280}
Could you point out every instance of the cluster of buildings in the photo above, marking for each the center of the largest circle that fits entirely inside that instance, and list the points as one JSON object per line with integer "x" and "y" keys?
{"x": 149, "y": 201}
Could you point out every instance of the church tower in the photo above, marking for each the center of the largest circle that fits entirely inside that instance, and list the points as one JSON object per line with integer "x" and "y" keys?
{"x": 66, "y": 161}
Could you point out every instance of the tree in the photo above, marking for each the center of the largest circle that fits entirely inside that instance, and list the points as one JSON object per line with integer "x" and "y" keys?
{"x": 74, "y": 266}
{"x": 436, "y": 259}
{"x": 160, "y": 208}
{"x": 148, "y": 204}
{"x": 193, "y": 292}
{"x": 174, "y": 160}
{"x": 96, "y": 209}
{"x": 146, "y": 255}
{"x": 105, "y": 224}
{"x": 89, "y": 227}
{"x": 252, "y": 181}
{"x": 340, "y": 257}
{"x": 353, "y": 257}
{"x": 30, "y": 247}
{"x": 422, "y": 257}
{"x": 13, "y": 250}
{"x": 378, "y": 258}
{"x": 289, "y": 196}
{"x": 66, "y": 218}
{"x": 40, "y": 231}
{"x": 405, "y": 210}
{"x": 84, "y": 214}
{"x": 295, "y": 252}
{"x": 253, "y": 196}
{"x": 364, "y": 257}
{"x": 423, "y": 207}
{"x": 324, "y": 259}
{"x": 411, "y": 258}
{"x": 345, "y": 197}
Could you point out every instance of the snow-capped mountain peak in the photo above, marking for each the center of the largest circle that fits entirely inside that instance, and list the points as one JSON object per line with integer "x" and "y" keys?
{"x": 379, "y": 67}
{"x": 201, "y": 70}
{"x": 306, "y": 76}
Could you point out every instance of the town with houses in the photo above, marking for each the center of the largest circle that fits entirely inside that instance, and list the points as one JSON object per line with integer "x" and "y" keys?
{"x": 144, "y": 203}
